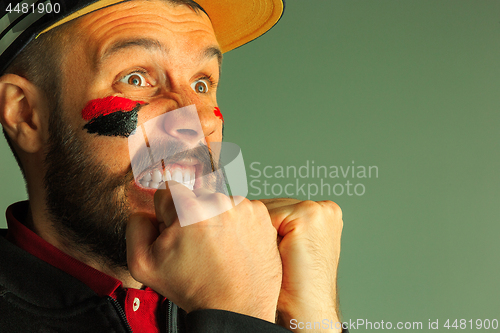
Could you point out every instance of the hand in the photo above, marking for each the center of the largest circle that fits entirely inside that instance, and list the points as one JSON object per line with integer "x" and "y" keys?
{"x": 229, "y": 262}
{"x": 310, "y": 248}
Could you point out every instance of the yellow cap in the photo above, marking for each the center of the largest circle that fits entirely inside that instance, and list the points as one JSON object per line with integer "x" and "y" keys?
{"x": 236, "y": 22}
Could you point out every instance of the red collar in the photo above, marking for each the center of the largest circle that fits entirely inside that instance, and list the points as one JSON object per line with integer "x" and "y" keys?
{"x": 142, "y": 307}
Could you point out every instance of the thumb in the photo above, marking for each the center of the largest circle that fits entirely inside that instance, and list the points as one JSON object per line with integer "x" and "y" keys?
{"x": 282, "y": 218}
{"x": 141, "y": 233}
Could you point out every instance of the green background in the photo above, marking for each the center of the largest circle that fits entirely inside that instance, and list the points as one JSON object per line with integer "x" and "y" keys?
{"x": 411, "y": 87}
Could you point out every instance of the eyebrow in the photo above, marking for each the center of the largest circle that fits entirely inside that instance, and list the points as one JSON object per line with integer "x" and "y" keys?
{"x": 152, "y": 45}
{"x": 211, "y": 52}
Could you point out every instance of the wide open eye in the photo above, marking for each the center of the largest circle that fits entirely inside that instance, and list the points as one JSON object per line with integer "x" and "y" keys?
{"x": 135, "y": 79}
{"x": 200, "y": 86}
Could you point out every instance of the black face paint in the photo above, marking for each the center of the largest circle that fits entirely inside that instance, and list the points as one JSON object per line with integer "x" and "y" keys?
{"x": 111, "y": 116}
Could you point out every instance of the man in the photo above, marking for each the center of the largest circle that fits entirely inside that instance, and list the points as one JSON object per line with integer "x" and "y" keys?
{"x": 97, "y": 248}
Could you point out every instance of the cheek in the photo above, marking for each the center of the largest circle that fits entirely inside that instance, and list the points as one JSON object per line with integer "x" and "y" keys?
{"x": 111, "y": 116}
{"x": 111, "y": 153}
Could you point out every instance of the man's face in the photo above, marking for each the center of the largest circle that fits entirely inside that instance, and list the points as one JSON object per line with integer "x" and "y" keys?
{"x": 156, "y": 56}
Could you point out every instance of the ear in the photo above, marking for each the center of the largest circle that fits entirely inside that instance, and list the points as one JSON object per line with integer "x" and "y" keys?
{"x": 22, "y": 111}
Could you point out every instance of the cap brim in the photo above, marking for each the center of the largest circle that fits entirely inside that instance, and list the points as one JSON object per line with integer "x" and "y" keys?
{"x": 235, "y": 22}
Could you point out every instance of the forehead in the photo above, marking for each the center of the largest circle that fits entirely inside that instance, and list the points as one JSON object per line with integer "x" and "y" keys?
{"x": 153, "y": 25}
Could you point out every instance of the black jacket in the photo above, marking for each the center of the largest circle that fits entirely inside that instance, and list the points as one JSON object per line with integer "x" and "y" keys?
{"x": 37, "y": 297}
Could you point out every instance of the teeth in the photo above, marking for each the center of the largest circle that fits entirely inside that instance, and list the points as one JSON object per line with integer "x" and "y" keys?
{"x": 187, "y": 178}
{"x": 183, "y": 175}
{"x": 156, "y": 176}
{"x": 177, "y": 176}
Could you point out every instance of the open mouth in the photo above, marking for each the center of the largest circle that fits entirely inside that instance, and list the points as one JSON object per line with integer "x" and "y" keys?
{"x": 182, "y": 172}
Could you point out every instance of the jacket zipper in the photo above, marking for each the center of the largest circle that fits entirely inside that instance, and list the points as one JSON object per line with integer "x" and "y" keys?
{"x": 121, "y": 313}
{"x": 169, "y": 317}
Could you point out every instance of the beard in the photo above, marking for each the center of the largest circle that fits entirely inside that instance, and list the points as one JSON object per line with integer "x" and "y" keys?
{"x": 88, "y": 204}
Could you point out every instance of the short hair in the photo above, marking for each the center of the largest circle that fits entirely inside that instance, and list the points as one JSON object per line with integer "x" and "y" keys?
{"x": 39, "y": 63}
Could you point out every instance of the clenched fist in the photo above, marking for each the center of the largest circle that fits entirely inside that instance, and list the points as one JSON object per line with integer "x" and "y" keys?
{"x": 228, "y": 262}
{"x": 310, "y": 248}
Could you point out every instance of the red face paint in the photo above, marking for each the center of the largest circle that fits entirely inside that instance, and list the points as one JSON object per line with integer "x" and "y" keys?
{"x": 218, "y": 114}
{"x": 104, "y": 106}
{"x": 111, "y": 116}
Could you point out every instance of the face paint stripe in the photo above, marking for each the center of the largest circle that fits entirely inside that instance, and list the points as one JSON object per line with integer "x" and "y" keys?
{"x": 108, "y": 105}
{"x": 115, "y": 124}
{"x": 218, "y": 114}
{"x": 111, "y": 116}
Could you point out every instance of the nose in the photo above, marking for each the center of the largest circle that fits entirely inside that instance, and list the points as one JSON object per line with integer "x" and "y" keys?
{"x": 184, "y": 124}
{"x": 193, "y": 122}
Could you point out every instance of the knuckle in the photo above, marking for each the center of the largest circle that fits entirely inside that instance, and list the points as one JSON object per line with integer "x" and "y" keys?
{"x": 308, "y": 205}
{"x": 220, "y": 196}
{"x": 257, "y": 212}
{"x": 259, "y": 209}
{"x": 333, "y": 207}
{"x": 240, "y": 199}
{"x": 311, "y": 210}
{"x": 191, "y": 204}
{"x": 222, "y": 199}
{"x": 257, "y": 205}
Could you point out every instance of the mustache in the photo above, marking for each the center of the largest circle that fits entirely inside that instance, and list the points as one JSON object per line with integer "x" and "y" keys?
{"x": 164, "y": 152}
